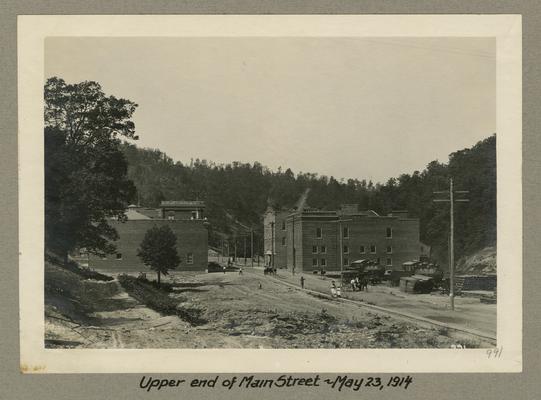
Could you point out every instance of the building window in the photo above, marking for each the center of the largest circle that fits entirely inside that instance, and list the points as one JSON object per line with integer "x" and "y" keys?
{"x": 283, "y": 241}
{"x": 389, "y": 233}
{"x": 314, "y": 262}
{"x": 389, "y": 249}
{"x": 323, "y": 262}
{"x": 283, "y": 225}
{"x": 346, "y": 249}
{"x": 345, "y": 232}
{"x": 346, "y": 261}
{"x": 362, "y": 250}
{"x": 323, "y": 249}
{"x": 119, "y": 256}
{"x": 189, "y": 258}
{"x": 389, "y": 262}
{"x": 373, "y": 248}
{"x": 314, "y": 249}
{"x": 319, "y": 233}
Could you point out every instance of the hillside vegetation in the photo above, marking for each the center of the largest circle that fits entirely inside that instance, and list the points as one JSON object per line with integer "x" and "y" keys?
{"x": 242, "y": 191}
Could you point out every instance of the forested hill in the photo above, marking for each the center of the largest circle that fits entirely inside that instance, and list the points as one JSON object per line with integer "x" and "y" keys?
{"x": 241, "y": 192}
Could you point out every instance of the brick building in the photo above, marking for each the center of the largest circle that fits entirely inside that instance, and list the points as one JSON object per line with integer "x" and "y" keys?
{"x": 308, "y": 239}
{"x": 185, "y": 219}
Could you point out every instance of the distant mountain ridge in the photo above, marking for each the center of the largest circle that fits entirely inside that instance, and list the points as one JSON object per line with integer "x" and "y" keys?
{"x": 237, "y": 194}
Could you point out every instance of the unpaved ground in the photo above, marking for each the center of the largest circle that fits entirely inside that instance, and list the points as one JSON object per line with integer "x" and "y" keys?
{"x": 469, "y": 311}
{"x": 239, "y": 314}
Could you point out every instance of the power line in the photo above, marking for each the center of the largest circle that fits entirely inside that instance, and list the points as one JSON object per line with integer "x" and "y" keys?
{"x": 451, "y": 200}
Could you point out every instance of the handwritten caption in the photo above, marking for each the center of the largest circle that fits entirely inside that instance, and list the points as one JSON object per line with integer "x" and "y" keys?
{"x": 338, "y": 383}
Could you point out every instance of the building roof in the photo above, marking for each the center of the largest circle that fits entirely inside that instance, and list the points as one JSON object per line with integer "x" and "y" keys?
{"x": 183, "y": 203}
{"x": 132, "y": 214}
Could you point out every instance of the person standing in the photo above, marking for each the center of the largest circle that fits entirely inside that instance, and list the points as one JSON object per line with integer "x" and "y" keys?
{"x": 302, "y": 282}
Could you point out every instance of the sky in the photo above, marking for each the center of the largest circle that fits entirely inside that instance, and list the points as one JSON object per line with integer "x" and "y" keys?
{"x": 365, "y": 108}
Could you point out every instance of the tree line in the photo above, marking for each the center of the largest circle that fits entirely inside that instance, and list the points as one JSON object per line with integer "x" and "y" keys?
{"x": 242, "y": 191}
{"x": 92, "y": 173}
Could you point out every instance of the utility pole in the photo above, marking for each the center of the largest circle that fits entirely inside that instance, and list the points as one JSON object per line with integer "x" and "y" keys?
{"x": 341, "y": 253}
{"x": 235, "y": 256}
{"x": 341, "y": 244}
{"x": 293, "y": 249}
{"x": 259, "y": 247}
{"x": 272, "y": 245}
{"x": 222, "y": 253}
{"x": 251, "y": 230}
{"x": 451, "y": 200}
{"x": 244, "y": 250}
{"x": 252, "y": 246}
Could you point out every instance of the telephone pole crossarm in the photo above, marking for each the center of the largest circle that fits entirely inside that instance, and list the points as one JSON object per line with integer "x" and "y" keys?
{"x": 451, "y": 200}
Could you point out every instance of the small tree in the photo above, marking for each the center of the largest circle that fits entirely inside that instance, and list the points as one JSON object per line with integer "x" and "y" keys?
{"x": 158, "y": 250}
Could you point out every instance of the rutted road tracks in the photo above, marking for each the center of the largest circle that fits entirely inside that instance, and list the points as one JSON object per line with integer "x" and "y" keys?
{"x": 474, "y": 334}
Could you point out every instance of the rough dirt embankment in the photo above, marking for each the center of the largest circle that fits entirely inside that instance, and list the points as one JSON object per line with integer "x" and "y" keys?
{"x": 236, "y": 314}
{"x": 481, "y": 262}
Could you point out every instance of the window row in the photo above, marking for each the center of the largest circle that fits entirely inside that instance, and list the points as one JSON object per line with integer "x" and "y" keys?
{"x": 321, "y": 262}
{"x": 362, "y": 249}
{"x": 388, "y": 263}
{"x": 345, "y": 250}
{"x": 345, "y": 233}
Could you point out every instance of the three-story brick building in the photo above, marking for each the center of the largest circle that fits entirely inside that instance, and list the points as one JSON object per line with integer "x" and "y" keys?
{"x": 309, "y": 239}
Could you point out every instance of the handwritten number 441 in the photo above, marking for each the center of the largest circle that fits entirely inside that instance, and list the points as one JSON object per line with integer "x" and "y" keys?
{"x": 495, "y": 352}
{"x": 491, "y": 353}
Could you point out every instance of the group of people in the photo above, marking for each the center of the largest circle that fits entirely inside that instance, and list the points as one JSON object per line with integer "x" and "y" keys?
{"x": 359, "y": 284}
{"x": 336, "y": 291}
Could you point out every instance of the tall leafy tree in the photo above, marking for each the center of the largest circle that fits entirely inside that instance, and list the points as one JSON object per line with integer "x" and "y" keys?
{"x": 158, "y": 250}
{"x": 86, "y": 179}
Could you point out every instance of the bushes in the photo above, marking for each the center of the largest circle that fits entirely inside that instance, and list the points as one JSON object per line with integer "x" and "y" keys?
{"x": 84, "y": 272}
{"x": 157, "y": 298}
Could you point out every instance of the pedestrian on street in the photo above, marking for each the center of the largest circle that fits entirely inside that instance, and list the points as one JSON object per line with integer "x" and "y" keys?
{"x": 302, "y": 282}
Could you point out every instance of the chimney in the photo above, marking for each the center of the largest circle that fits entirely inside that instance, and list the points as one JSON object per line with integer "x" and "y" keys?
{"x": 349, "y": 209}
{"x": 399, "y": 213}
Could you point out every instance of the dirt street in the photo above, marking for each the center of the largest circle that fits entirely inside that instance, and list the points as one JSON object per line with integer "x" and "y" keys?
{"x": 237, "y": 313}
{"x": 469, "y": 311}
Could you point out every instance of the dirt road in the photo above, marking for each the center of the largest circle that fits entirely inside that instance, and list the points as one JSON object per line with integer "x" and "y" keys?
{"x": 469, "y": 312}
{"x": 238, "y": 314}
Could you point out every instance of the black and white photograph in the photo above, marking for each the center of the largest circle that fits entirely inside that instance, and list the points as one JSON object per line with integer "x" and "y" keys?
{"x": 274, "y": 192}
